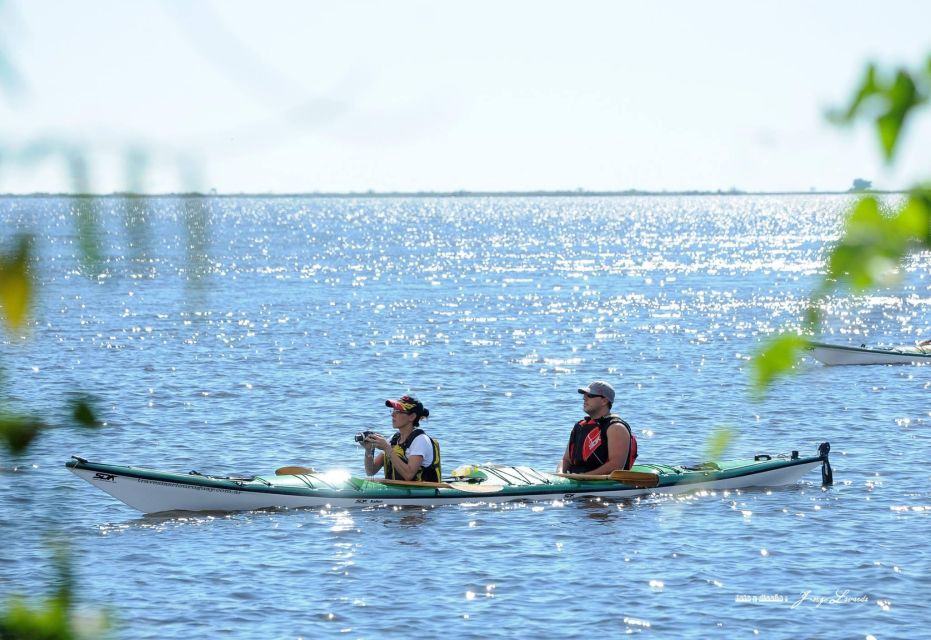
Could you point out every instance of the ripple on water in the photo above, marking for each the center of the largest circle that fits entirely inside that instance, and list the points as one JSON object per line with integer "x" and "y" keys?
{"x": 308, "y": 313}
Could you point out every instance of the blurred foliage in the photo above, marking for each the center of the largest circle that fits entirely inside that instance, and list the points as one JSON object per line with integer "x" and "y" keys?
{"x": 87, "y": 218}
{"x": 137, "y": 213}
{"x": 197, "y": 226}
{"x": 874, "y": 243}
{"x": 718, "y": 443}
{"x": 777, "y": 356}
{"x": 83, "y": 412}
{"x": 17, "y": 432}
{"x": 54, "y": 618}
{"x": 10, "y": 80}
{"x": 16, "y": 287}
{"x": 877, "y": 237}
{"x": 887, "y": 100}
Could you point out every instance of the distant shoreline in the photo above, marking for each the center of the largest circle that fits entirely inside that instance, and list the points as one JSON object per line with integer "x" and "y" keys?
{"x": 453, "y": 194}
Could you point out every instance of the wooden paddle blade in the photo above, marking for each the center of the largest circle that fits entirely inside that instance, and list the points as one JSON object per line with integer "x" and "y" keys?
{"x": 477, "y": 488}
{"x": 635, "y": 478}
{"x": 292, "y": 471}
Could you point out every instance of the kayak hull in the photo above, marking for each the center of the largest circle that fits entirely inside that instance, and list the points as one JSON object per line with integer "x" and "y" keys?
{"x": 153, "y": 491}
{"x": 835, "y": 355}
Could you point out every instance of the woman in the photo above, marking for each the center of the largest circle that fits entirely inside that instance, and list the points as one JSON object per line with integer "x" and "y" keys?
{"x": 411, "y": 454}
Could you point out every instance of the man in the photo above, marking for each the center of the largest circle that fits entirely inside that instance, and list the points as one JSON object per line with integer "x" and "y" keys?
{"x": 602, "y": 442}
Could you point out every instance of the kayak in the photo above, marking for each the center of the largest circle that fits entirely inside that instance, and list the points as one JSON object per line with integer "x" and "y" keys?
{"x": 830, "y": 354}
{"x": 153, "y": 491}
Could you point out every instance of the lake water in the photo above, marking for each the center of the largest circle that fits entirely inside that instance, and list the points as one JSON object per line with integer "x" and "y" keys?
{"x": 243, "y": 334}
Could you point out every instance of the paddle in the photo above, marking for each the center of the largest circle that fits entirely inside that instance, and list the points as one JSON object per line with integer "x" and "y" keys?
{"x": 413, "y": 483}
{"x": 292, "y": 471}
{"x": 638, "y": 479}
{"x": 459, "y": 486}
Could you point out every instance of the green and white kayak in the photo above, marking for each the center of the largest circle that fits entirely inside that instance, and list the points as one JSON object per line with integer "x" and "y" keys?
{"x": 152, "y": 491}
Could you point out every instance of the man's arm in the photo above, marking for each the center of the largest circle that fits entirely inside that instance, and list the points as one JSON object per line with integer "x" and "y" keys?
{"x": 564, "y": 463}
{"x": 618, "y": 450}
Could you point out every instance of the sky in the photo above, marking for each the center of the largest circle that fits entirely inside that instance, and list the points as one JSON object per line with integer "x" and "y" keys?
{"x": 343, "y": 96}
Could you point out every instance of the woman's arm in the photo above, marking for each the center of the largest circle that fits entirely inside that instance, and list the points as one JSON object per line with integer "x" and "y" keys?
{"x": 373, "y": 462}
{"x": 416, "y": 454}
{"x": 407, "y": 470}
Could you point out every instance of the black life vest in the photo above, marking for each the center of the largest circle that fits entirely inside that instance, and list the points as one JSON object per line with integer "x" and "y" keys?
{"x": 428, "y": 474}
{"x": 588, "y": 444}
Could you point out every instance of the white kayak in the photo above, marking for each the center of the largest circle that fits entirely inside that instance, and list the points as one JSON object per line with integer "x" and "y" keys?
{"x": 831, "y": 354}
{"x": 152, "y": 491}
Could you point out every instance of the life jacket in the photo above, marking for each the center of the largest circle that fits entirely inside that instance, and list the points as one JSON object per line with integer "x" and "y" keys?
{"x": 431, "y": 473}
{"x": 588, "y": 444}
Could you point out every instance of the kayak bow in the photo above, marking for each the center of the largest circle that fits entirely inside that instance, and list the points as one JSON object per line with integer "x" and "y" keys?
{"x": 833, "y": 354}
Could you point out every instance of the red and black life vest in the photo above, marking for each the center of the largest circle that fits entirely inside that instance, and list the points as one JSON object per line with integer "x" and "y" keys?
{"x": 588, "y": 444}
{"x": 429, "y": 474}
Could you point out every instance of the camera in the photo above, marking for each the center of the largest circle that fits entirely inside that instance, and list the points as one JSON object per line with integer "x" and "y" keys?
{"x": 360, "y": 437}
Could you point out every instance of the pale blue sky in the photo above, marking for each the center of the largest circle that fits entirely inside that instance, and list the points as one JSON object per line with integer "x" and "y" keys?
{"x": 448, "y": 95}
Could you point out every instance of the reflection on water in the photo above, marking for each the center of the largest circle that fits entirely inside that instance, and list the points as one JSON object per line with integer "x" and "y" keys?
{"x": 308, "y": 313}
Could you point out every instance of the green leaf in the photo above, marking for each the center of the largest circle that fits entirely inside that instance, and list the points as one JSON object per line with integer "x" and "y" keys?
{"x": 46, "y": 622}
{"x": 887, "y": 126}
{"x": 919, "y": 207}
{"x": 914, "y": 219}
{"x": 52, "y": 618}
{"x": 718, "y": 443}
{"x": 16, "y": 287}
{"x": 776, "y": 358}
{"x": 812, "y": 317}
{"x": 873, "y": 245}
{"x": 82, "y": 411}
{"x": 888, "y": 102}
{"x": 18, "y": 432}
{"x": 903, "y": 96}
{"x": 868, "y": 88}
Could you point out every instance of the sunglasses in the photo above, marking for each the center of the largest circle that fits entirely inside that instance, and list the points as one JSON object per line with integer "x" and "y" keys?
{"x": 592, "y": 395}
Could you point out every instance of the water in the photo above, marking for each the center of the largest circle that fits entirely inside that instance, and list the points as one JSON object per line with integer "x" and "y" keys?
{"x": 243, "y": 334}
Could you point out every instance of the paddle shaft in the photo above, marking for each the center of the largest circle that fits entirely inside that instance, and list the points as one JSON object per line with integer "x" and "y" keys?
{"x": 461, "y": 486}
{"x": 413, "y": 483}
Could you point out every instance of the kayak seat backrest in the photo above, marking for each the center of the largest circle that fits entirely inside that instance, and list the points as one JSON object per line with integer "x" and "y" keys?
{"x": 703, "y": 466}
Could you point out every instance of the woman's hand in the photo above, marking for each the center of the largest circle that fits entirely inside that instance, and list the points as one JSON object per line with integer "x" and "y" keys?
{"x": 377, "y": 441}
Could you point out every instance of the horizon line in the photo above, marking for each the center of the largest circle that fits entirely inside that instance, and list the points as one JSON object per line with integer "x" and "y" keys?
{"x": 448, "y": 194}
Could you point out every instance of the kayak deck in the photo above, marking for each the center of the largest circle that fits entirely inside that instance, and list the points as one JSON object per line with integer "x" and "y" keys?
{"x": 153, "y": 491}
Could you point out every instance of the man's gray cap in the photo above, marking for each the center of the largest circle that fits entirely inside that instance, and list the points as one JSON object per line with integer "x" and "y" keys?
{"x": 599, "y": 388}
